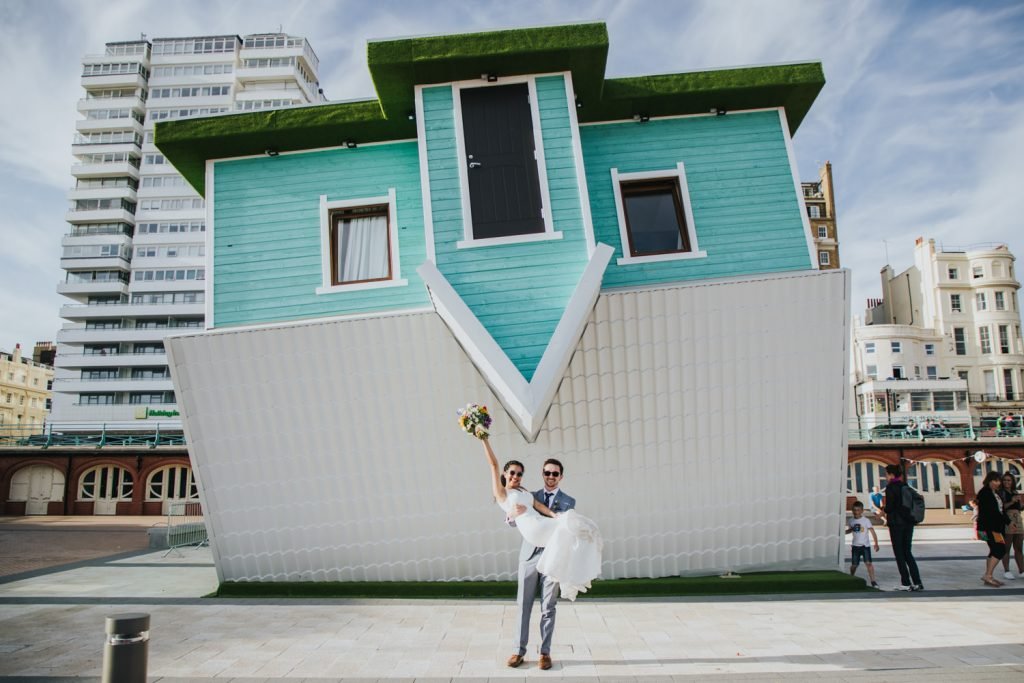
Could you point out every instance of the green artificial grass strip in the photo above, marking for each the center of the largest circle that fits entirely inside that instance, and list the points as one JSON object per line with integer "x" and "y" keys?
{"x": 761, "y": 583}
{"x": 396, "y": 66}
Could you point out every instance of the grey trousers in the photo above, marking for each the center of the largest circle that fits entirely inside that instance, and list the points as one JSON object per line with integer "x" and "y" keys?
{"x": 529, "y": 580}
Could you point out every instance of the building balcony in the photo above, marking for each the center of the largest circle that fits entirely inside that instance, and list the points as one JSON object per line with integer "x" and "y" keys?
{"x": 114, "y": 385}
{"x": 93, "y": 125}
{"x": 87, "y": 104}
{"x": 117, "y": 168}
{"x": 109, "y": 192}
{"x": 112, "y": 360}
{"x": 129, "y": 80}
{"x": 95, "y": 287}
{"x": 1003, "y": 400}
{"x": 130, "y": 310}
{"x": 76, "y": 333}
{"x": 123, "y": 147}
{"x": 144, "y": 238}
{"x": 80, "y": 263}
{"x": 100, "y": 216}
{"x": 81, "y": 235}
{"x": 190, "y": 102}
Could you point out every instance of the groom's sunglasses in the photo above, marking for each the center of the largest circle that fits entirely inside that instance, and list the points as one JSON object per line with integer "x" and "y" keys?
{"x": 552, "y": 474}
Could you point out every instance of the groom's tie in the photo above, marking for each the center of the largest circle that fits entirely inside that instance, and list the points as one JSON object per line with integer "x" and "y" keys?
{"x": 547, "y": 499}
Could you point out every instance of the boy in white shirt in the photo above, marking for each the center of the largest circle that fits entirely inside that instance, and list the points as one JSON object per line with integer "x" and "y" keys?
{"x": 860, "y": 526}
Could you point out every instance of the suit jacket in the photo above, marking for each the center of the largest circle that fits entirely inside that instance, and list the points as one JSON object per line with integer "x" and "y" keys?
{"x": 561, "y": 503}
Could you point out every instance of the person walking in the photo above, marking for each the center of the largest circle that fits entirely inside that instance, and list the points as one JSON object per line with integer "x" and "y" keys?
{"x": 901, "y": 530}
{"x": 1014, "y": 533}
{"x": 991, "y": 523}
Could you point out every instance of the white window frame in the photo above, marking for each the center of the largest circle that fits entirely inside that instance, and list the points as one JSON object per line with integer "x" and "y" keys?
{"x": 929, "y": 349}
{"x": 869, "y": 347}
{"x": 872, "y": 371}
{"x": 953, "y": 273}
{"x": 823, "y": 258}
{"x": 956, "y": 304}
{"x": 822, "y": 232}
{"x": 896, "y": 347}
{"x": 679, "y": 175}
{"x": 467, "y": 241}
{"x": 325, "y": 243}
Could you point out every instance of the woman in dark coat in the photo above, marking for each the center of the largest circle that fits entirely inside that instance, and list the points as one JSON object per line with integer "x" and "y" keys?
{"x": 991, "y": 524}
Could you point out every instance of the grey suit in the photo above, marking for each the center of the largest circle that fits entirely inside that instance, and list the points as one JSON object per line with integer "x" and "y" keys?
{"x": 529, "y": 580}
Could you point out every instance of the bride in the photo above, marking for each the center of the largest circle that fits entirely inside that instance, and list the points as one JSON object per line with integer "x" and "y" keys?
{"x": 572, "y": 543}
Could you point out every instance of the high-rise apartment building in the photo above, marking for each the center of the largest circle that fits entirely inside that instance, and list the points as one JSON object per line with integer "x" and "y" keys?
{"x": 134, "y": 255}
{"x": 820, "y": 201}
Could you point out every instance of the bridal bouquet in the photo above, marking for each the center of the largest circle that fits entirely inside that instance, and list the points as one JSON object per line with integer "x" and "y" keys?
{"x": 475, "y": 420}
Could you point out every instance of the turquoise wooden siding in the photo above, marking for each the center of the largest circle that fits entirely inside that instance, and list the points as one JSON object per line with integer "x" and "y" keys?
{"x": 267, "y": 261}
{"x": 745, "y": 207}
{"x": 517, "y": 291}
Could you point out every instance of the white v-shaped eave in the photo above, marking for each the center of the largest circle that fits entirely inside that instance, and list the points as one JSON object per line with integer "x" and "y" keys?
{"x": 527, "y": 403}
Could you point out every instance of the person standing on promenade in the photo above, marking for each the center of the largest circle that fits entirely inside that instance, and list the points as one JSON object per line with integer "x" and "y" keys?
{"x": 901, "y": 530}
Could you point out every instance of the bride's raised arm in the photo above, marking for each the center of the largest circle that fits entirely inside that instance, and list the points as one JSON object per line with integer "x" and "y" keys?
{"x": 496, "y": 487}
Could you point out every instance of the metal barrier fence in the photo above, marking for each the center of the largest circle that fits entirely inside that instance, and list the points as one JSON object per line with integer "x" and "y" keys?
{"x": 185, "y": 526}
{"x": 58, "y": 435}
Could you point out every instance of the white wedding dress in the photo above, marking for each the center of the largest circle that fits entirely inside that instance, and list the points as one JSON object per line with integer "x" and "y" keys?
{"x": 572, "y": 543}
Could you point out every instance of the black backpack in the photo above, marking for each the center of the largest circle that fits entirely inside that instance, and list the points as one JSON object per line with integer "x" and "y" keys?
{"x": 913, "y": 504}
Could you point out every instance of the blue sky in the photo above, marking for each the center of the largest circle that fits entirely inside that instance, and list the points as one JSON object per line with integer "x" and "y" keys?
{"x": 922, "y": 116}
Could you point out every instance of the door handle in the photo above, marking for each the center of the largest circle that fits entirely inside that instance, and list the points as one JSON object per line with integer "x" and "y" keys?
{"x": 475, "y": 164}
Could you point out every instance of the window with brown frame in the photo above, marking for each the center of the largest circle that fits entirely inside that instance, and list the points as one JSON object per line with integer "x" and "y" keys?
{"x": 655, "y": 221}
{"x": 360, "y": 244}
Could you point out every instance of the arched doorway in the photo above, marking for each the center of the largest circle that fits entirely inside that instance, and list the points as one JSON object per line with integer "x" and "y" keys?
{"x": 106, "y": 486}
{"x": 171, "y": 484}
{"x": 861, "y": 479}
{"x": 932, "y": 479}
{"x": 37, "y": 486}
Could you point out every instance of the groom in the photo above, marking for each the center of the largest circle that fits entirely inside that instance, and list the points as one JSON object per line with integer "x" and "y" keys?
{"x": 529, "y": 580}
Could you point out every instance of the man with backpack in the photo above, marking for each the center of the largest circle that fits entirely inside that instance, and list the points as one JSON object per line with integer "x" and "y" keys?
{"x": 904, "y": 507}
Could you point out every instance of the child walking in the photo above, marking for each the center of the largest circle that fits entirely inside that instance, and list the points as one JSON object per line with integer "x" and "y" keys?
{"x": 860, "y": 526}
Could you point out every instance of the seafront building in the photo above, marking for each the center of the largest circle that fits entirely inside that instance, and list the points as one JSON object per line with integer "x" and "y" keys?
{"x": 24, "y": 392}
{"x": 938, "y": 358}
{"x": 134, "y": 255}
{"x": 820, "y": 203}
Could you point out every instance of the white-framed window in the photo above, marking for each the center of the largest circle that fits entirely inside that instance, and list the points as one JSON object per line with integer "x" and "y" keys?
{"x": 929, "y": 349}
{"x": 823, "y": 259}
{"x": 822, "y": 231}
{"x": 953, "y": 273}
{"x": 932, "y": 371}
{"x": 897, "y": 372}
{"x": 869, "y": 347}
{"x": 108, "y": 482}
{"x": 979, "y": 301}
{"x": 1004, "y": 339}
{"x": 1000, "y": 301}
{"x": 814, "y": 211}
{"x": 873, "y": 371}
{"x": 896, "y": 347}
{"x": 978, "y": 272}
{"x": 655, "y": 216}
{"x": 359, "y": 244}
{"x": 955, "y": 304}
{"x": 173, "y": 482}
{"x": 984, "y": 340}
{"x": 492, "y": 219}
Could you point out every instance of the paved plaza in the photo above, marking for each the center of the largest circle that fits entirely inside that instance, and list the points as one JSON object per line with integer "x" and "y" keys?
{"x": 51, "y": 628}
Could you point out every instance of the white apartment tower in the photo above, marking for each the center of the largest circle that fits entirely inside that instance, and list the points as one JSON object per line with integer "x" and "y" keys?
{"x": 134, "y": 255}
{"x": 946, "y": 329}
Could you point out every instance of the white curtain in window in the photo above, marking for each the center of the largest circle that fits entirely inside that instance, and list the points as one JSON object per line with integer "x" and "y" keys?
{"x": 363, "y": 249}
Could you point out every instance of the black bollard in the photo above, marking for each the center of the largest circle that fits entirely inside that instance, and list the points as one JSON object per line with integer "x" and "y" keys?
{"x": 126, "y": 653}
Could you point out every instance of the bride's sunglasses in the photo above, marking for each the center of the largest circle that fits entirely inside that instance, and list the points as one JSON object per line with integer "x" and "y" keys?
{"x": 513, "y": 473}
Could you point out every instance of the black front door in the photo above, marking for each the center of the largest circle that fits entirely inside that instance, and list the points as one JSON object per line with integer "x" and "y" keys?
{"x": 504, "y": 190}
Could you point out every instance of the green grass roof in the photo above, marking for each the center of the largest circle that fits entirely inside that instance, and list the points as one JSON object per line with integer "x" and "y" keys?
{"x": 396, "y": 66}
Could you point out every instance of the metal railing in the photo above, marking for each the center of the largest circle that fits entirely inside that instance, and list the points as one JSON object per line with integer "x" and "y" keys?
{"x": 73, "y": 435}
{"x": 969, "y": 433}
{"x": 185, "y": 526}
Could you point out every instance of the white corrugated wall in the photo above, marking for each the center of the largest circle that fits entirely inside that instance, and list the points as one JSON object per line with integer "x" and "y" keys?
{"x": 701, "y": 425}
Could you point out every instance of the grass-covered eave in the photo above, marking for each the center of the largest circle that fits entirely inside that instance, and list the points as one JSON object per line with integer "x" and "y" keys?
{"x": 189, "y": 143}
{"x": 791, "y": 86}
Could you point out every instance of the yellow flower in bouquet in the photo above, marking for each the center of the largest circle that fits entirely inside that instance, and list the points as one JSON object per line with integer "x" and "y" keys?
{"x": 475, "y": 420}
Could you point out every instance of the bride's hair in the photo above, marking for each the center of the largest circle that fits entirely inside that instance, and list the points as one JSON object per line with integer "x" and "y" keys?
{"x": 509, "y": 464}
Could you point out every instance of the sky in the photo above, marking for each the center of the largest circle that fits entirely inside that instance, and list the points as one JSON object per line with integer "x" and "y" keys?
{"x": 922, "y": 115}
